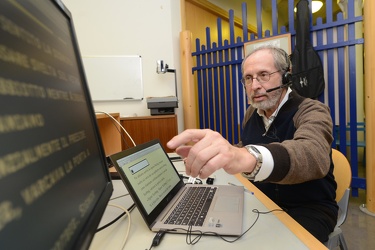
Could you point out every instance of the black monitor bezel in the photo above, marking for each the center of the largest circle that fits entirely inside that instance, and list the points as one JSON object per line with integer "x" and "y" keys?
{"x": 47, "y": 225}
{"x": 88, "y": 231}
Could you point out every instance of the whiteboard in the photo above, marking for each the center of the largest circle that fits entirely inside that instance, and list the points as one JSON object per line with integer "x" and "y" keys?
{"x": 114, "y": 78}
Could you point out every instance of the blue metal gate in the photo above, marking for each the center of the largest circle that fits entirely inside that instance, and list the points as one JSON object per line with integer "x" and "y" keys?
{"x": 221, "y": 97}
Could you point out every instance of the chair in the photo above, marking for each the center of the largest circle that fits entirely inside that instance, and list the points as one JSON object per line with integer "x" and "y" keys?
{"x": 343, "y": 177}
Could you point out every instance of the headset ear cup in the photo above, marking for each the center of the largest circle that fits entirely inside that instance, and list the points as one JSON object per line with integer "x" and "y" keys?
{"x": 287, "y": 78}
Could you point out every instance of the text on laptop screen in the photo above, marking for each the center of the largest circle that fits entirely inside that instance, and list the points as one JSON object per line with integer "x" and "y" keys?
{"x": 150, "y": 173}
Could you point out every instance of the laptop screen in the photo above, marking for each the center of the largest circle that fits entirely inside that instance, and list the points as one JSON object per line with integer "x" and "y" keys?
{"x": 150, "y": 173}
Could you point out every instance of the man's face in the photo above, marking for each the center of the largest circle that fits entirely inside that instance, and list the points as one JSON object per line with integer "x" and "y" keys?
{"x": 260, "y": 64}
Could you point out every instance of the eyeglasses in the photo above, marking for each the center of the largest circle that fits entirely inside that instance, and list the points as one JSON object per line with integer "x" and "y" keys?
{"x": 261, "y": 78}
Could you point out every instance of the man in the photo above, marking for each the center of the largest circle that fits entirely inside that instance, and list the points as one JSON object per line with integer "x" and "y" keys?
{"x": 286, "y": 143}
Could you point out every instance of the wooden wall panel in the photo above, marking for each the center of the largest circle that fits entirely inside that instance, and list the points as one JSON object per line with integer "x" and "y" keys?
{"x": 146, "y": 128}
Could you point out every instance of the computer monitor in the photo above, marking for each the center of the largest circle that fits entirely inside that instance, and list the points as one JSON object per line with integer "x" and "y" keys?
{"x": 54, "y": 181}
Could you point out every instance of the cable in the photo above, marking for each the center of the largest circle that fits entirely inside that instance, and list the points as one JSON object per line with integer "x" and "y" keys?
{"x": 195, "y": 240}
{"x": 198, "y": 234}
{"x": 118, "y": 129}
{"x": 129, "y": 223}
{"x": 114, "y": 198}
{"x": 116, "y": 219}
{"x": 118, "y": 123}
{"x": 157, "y": 238}
{"x": 123, "y": 129}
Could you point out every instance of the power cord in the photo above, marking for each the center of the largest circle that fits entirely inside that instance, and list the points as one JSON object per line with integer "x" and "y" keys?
{"x": 157, "y": 239}
{"x": 120, "y": 196}
{"x": 195, "y": 240}
{"x": 194, "y": 236}
{"x": 116, "y": 219}
{"x": 118, "y": 123}
{"x": 129, "y": 223}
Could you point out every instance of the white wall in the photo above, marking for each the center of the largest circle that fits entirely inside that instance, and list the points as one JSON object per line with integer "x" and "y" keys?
{"x": 125, "y": 27}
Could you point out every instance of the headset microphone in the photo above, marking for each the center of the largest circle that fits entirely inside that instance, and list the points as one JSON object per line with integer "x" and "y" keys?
{"x": 286, "y": 81}
{"x": 273, "y": 89}
{"x": 279, "y": 87}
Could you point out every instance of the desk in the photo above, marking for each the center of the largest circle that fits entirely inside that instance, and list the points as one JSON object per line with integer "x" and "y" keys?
{"x": 276, "y": 230}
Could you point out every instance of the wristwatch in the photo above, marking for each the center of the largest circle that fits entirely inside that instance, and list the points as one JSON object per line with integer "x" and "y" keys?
{"x": 259, "y": 160}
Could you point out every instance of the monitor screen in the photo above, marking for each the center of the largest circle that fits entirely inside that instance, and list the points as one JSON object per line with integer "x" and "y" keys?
{"x": 53, "y": 177}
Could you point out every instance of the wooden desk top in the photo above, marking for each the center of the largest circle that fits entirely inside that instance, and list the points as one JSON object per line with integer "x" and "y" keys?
{"x": 307, "y": 238}
{"x": 274, "y": 231}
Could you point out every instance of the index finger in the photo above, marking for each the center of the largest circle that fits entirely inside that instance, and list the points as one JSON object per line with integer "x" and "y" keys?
{"x": 189, "y": 135}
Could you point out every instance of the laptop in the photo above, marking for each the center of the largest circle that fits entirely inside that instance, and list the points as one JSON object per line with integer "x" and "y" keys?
{"x": 160, "y": 194}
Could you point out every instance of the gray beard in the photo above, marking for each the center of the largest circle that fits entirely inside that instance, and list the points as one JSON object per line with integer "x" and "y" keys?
{"x": 269, "y": 104}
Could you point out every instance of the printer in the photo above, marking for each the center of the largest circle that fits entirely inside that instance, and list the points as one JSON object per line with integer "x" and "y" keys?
{"x": 162, "y": 105}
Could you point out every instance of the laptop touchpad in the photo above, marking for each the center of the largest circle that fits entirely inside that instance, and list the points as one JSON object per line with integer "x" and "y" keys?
{"x": 227, "y": 204}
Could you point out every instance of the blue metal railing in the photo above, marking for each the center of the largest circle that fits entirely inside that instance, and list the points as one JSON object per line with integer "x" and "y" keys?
{"x": 222, "y": 100}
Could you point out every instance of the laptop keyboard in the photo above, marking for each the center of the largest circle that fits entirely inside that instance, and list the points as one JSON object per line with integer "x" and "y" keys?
{"x": 193, "y": 207}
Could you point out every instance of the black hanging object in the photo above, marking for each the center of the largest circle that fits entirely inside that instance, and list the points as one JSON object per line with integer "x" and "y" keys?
{"x": 307, "y": 69}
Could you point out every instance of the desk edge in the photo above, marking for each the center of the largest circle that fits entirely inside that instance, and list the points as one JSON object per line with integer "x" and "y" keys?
{"x": 308, "y": 239}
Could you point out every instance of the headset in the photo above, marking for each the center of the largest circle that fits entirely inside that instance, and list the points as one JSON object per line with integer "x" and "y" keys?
{"x": 286, "y": 79}
{"x": 287, "y": 76}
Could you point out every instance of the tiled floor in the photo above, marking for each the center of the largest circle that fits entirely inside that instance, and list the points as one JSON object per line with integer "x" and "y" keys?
{"x": 359, "y": 228}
